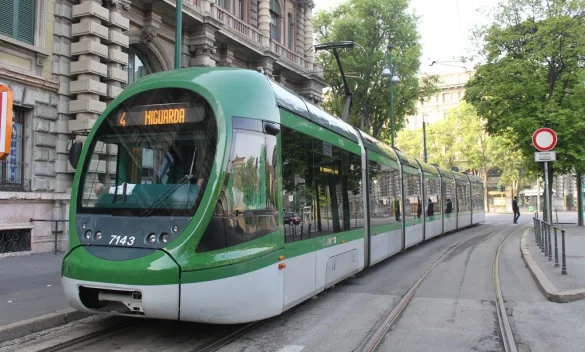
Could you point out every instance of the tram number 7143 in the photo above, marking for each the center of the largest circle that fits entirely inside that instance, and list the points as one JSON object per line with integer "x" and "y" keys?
{"x": 128, "y": 241}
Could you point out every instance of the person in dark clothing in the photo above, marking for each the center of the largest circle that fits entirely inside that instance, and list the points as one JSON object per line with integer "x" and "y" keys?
{"x": 516, "y": 209}
{"x": 449, "y": 207}
{"x": 418, "y": 209}
{"x": 430, "y": 208}
{"x": 397, "y": 209}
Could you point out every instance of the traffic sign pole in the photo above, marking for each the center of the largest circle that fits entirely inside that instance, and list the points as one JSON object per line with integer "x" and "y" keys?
{"x": 547, "y": 193}
{"x": 545, "y": 139}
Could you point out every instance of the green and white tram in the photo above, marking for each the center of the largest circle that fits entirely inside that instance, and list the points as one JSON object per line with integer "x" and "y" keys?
{"x": 181, "y": 187}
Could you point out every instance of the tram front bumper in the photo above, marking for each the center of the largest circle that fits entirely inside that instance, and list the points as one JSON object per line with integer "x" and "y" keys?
{"x": 143, "y": 287}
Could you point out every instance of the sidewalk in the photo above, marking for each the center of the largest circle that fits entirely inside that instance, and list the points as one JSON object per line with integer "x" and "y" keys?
{"x": 30, "y": 286}
{"x": 554, "y": 285}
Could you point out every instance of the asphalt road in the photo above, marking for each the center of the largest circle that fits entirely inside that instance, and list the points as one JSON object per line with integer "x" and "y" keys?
{"x": 30, "y": 286}
{"x": 453, "y": 309}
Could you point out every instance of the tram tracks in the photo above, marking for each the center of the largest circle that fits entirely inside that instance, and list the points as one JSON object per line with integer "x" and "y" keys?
{"x": 65, "y": 341}
{"x": 377, "y": 336}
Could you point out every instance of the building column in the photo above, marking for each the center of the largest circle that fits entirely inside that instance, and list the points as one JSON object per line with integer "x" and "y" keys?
{"x": 266, "y": 65}
{"x": 202, "y": 45}
{"x": 61, "y": 71}
{"x": 309, "y": 50}
{"x": 226, "y": 56}
{"x": 300, "y": 35}
{"x": 116, "y": 41}
{"x": 264, "y": 18}
{"x": 87, "y": 67}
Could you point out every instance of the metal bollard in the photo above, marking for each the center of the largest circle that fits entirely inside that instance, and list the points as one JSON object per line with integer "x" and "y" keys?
{"x": 564, "y": 268}
{"x": 556, "y": 249}
{"x": 538, "y": 231}
{"x": 535, "y": 230}
{"x": 544, "y": 247}
{"x": 548, "y": 230}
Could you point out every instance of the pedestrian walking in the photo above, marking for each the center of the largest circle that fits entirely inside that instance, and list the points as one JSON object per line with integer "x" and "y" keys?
{"x": 516, "y": 210}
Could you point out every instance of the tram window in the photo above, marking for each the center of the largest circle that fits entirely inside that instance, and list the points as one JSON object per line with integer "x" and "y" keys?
{"x": 449, "y": 200}
{"x": 297, "y": 184}
{"x": 140, "y": 170}
{"x": 336, "y": 174}
{"x": 477, "y": 199}
{"x": 463, "y": 201}
{"x": 413, "y": 195}
{"x": 385, "y": 205}
{"x": 247, "y": 208}
{"x": 432, "y": 192}
{"x": 321, "y": 187}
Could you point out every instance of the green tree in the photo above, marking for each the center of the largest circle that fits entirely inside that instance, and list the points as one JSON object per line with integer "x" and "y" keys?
{"x": 372, "y": 25}
{"x": 411, "y": 142}
{"x": 533, "y": 77}
{"x": 512, "y": 162}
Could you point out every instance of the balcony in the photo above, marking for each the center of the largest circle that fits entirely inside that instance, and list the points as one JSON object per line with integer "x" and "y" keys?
{"x": 241, "y": 29}
{"x": 290, "y": 56}
{"x": 247, "y": 33}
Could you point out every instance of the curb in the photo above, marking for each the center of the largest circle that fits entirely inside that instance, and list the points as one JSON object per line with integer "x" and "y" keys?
{"x": 547, "y": 288}
{"x": 30, "y": 326}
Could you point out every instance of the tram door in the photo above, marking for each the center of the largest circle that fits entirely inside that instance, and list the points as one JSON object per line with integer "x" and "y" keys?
{"x": 298, "y": 214}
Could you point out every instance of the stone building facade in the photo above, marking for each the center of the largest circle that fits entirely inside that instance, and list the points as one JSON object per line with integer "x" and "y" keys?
{"x": 80, "y": 54}
{"x": 451, "y": 89}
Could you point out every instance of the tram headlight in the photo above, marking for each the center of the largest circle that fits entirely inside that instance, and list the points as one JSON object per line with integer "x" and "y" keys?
{"x": 87, "y": 234}
{"x": 164, "y": 237}
{"x": 175, "y": 228}
{"x": 151, "y": 238}
{"x": 98, "y": 235}
{"x": 83, "y": 225}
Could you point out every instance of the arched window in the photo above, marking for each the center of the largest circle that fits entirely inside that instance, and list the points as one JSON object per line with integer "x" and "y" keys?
{"x": 291, "y": 31}
{"x": 275, "y": 15}
{"x": 138, "y": 65}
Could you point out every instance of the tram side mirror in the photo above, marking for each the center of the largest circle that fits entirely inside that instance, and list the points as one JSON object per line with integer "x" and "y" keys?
{"x": 271, "y": 128}
{"x": 75, "y": 153}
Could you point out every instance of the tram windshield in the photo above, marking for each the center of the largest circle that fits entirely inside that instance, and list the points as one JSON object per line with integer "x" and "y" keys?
{"x": 151, "y": 156}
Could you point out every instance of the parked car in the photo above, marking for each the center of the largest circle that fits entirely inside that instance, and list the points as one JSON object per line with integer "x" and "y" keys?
{"x": 290, "y": 217}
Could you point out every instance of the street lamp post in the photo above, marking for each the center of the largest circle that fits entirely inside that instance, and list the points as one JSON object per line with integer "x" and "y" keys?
{"x": 425, "y": 139}
{"x": 389, "y": 72}
{"x": 178, "y": 32}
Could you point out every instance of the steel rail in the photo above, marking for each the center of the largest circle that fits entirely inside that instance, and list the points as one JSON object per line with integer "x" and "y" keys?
{"x": 375, "y": 339}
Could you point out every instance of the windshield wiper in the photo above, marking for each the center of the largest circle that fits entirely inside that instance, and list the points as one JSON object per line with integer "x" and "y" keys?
{"x": 182, "y": 181}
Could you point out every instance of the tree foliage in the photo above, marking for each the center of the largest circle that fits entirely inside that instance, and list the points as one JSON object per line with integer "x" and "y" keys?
{"x": 533, "y": 77}
{"x": 373, "y": 25}
{"x": 515, "y": 167}
{"x": 461, "y": 140}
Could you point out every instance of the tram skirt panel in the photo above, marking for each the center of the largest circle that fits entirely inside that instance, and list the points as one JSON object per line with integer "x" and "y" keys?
{"x": 237, "y": 299}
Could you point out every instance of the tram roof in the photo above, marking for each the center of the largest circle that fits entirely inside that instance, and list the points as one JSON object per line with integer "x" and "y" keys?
{"x": 428, "y": 168}
{"x": 375, "y": 145}
{"x": 474, "y": 179}
{"x": 293, "y": 102}
{"x": 407, "y": 159}
{"x": 460, "y": 176}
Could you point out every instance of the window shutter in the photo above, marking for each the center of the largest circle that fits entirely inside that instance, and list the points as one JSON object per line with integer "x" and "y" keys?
{"x": 6, "y": 17}
{"x": 26, "y": 21}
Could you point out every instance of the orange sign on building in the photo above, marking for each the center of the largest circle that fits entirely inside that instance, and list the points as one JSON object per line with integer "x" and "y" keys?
{"x": 5, "y": 121}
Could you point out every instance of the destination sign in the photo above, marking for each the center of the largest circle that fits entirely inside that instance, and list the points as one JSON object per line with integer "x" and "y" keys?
{"x": 175, "y": 114}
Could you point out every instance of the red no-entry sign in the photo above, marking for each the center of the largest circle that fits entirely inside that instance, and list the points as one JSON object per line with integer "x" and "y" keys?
{"x": 544, "y": 139}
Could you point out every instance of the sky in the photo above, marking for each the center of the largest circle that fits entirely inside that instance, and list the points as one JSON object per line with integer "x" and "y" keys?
{"x": 445, "y": 27}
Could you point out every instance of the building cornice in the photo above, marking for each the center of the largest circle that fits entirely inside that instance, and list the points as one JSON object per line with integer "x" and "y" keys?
{"x": 29, "y": 80}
